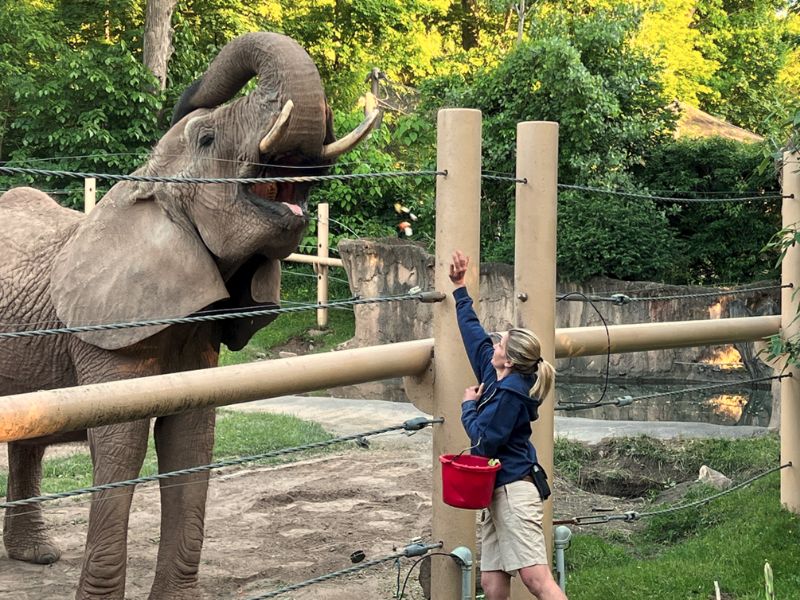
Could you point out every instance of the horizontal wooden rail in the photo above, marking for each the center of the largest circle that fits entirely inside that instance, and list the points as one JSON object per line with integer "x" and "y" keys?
{"x": 311, "y": 259}
{"x": 25, "y": 416}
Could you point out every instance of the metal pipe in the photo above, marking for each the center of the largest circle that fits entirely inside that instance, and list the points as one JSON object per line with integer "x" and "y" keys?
{"x": 314, "y": 260}
{"x": 563, "y": 534}
{"x": 25, "y": 416}
{"x": 463, "y": 558}
{"x": 46, "y": 412}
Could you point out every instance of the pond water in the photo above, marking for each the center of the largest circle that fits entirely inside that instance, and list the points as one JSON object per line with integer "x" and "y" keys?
{"x": 736, "y": 405}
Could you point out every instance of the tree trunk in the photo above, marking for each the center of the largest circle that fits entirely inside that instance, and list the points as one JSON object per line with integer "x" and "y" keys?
{"x": 469, "y": 24}
{"x": 158, "y": 38}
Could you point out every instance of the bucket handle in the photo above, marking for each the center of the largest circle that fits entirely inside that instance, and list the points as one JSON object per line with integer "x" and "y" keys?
{"x": 457, "y": 456}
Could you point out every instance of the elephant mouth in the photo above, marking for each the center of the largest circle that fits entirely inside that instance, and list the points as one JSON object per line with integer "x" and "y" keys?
{"x": 278, "y": 199}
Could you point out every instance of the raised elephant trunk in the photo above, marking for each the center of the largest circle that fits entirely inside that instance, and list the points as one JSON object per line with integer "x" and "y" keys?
{"x": 285, "y": 72}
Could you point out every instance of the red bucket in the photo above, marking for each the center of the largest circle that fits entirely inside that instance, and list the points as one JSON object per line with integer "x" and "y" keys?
{"x": 467, "y": 480}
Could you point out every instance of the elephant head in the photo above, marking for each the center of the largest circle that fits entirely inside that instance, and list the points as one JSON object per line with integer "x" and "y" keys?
{"x": 151, "y": 250}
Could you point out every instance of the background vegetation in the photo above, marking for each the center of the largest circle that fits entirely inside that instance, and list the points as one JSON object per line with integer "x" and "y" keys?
{"x": 77, "y": 96}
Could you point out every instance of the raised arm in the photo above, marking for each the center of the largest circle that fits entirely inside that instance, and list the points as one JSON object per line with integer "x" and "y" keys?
{"x": 477, "y": 342}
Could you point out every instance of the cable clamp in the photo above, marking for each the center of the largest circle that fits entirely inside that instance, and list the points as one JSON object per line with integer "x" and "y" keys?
{"x": 428, "y": 297}
{"x": 418, "y": 548}
{"x": 416, "y": 423}
{"x": 631, "y": 515}
{"x": 620, "y": 299}
{"x": 624, "y": 401}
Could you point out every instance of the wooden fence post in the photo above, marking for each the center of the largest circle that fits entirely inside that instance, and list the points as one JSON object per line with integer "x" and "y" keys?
{"x": 457, "y": 227}
{"x": 89, "y": 194}
{"x": 323, "y": 227}
{"x": 790, "y": 326}
{"x": 535, "y": 276}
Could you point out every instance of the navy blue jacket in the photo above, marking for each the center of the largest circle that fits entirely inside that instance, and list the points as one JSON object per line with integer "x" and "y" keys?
{"x": 499, "y": 422}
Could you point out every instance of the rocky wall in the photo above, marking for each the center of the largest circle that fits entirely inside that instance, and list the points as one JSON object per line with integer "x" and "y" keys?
{"x": 390, "y": 267}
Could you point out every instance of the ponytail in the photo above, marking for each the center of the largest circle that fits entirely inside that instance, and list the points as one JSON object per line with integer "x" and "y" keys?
{"x": 524, "y": 351}
{"x": 545, "y": 377}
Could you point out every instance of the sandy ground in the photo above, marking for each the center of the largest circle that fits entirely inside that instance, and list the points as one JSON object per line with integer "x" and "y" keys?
{"x": 267, "y": 527}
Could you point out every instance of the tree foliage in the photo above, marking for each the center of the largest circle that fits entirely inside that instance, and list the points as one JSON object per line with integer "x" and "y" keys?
{"x": 76, "y": 97}
{"x": 582, "y": 72}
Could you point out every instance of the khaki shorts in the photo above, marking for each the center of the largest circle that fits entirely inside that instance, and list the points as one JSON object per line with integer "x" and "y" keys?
{"x": 511, "y": 529}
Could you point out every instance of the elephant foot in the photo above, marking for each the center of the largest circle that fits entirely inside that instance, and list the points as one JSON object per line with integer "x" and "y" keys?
{"x": 41, "y": 553}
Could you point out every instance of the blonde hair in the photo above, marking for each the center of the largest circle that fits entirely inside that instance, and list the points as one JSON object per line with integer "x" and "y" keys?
{"x": 524, "y": 352}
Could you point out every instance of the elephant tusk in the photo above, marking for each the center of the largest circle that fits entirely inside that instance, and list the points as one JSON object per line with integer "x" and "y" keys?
{"x": 277, "y": 128}
{"x": 348, "y": 142}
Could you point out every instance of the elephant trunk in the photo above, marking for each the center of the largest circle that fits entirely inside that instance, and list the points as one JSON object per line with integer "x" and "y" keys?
{"x": 285, "y": 73}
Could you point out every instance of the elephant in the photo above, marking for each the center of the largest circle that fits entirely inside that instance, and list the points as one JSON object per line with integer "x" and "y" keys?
{"x": 151, "y": 250}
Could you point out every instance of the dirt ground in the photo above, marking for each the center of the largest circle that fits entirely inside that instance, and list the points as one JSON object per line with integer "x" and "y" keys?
{"x": 268, "y": 527}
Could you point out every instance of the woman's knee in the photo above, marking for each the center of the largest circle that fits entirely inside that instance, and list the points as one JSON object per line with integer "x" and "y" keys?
{"x": 495, "y": 584}
{"x": 537, "y": 578}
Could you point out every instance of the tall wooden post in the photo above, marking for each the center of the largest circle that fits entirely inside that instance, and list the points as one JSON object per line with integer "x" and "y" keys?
{"x": 89, "y": 194}
{"x": 457, "y": 227}
{"x": 790, "y": 326}
{"x": 535, "y": 275}
{"x": 323, "y": 226}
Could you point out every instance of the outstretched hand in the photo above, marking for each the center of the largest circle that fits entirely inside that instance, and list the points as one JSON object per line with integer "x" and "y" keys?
{"x": 458, "y": 268}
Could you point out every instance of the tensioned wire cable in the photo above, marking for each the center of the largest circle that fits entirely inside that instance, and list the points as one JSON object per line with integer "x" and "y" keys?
{"x": 422, "y": 296}
{"x": 410, "y": 425}
{"x": 620, "y": 298}
{"x": 408, "y": 551}
{"x": 627, "y": 400}
{"x": 245, "y": 180}
{"x": 587, "y": 188}
{"x": 635, "y": 516}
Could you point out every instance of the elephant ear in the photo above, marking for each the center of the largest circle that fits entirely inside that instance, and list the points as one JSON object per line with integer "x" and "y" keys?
{"x": 257, "y": 285}
{"x": 128, "y": 261}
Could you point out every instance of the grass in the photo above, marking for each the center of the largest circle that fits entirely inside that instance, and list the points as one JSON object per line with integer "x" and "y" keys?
{"x": 298, "y": 327}
{"x": 680, "y": 555}
{"x": 237, "y": 434}
{"x": 737, "y": 533}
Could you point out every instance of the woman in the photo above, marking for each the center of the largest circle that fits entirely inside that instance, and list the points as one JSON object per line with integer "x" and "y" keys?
{"x": 497, "y": 416}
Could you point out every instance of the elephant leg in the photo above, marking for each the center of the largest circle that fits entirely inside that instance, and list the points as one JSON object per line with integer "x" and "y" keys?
{"x": 117, "y": 454}
{"x": 24, "y": 530}
{"x": 182, "y": 441}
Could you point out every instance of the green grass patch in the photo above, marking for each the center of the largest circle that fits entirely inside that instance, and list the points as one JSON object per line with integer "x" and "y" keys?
{"x": 294, "y": 327}
{"x": 737, "y": 533}
{"x": 237, "y": 434}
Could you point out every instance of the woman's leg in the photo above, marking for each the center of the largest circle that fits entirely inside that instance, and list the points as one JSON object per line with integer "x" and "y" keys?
{"x": 539, "y": 581}
{"x": 496, "y": 584}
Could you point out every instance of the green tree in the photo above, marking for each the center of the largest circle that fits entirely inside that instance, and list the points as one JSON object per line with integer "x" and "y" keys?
{"x": 583, "y": 72}
{"x": 723, "y": 240}
{"x": 88, "y": 108}
{"x": 752, "y": 40}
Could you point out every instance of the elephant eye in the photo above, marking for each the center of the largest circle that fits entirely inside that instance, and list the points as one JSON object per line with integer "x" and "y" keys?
{"x": 206, "y": 139}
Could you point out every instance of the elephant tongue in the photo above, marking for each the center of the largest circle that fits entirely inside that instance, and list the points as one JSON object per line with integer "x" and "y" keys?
{"x": 286, "y": 195}
{"x": 294, "y": 208}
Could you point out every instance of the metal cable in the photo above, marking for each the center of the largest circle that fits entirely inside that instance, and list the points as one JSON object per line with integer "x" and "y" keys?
{"x": 411, "y": 425}
{"x": 632, "y": 515}
{"x": 199, "y": 318}
{"x": 489, "y": 176}
{"x": 158, "y": 179}
{"x": 586, "y": 188}
{"x": 621, "y": 299}
{"x": 371, "y": 563}
{"x": 627, "y": 400}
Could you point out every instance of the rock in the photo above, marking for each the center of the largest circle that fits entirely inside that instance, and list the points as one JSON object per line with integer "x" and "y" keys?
{"x": 284, "y": 354}
{"x": 714, "y": 478}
